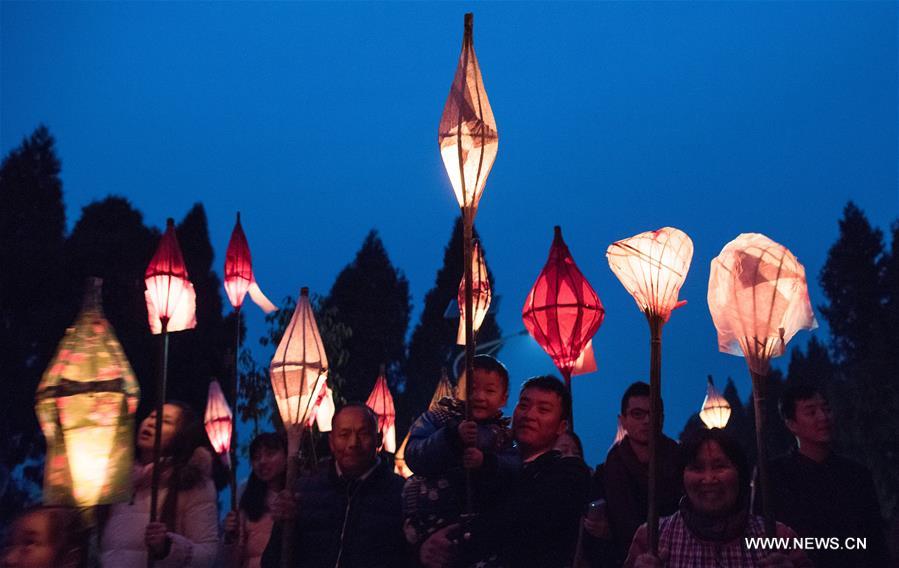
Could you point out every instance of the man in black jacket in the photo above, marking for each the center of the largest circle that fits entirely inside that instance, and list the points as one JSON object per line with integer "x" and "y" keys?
{"x": 820, "y": 494}
{"x": 535, "y": 523}
{"x": 346, "y": 514}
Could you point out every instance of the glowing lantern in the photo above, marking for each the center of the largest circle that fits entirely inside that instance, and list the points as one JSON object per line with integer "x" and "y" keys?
{"x": 444, "y": 389}
{"x": 300, "y": 365}
{"x": 562, "y": 311}
{"x": 323, "y": 411}
{"x": 480, "y": 295}
{"x": 652, "y": 267}
{"x": 586, "y": 363}
{"x": 239, "y": 278}
{"x": 758, "y": 298}
{"x": 381, "y": 402}
{"x": 715, "y": 409}
{"x": 85, "y": 403}
{"x": 218, "y": 420}
{"x": 171, "y": 299}
{"x": 467, "y": 134}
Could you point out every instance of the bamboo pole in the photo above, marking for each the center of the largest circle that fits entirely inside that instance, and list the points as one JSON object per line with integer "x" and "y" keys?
{"x": 157, "y": 432}
{"x": 655, "y": 428}
{"x": 235, "y": 418}
{"x": 759, "y": 399}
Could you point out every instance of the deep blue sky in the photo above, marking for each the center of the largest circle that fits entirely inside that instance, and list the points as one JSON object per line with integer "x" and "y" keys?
{"x": 319, "y": 122}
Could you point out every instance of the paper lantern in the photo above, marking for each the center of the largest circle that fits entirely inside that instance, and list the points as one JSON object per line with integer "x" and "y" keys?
{"x": 381, "y": 402}
{"x": 323, "y": 410}
{"x": 170, "y": 296}
{"x": 562, "y": 311}
{"x": 652, "y": 266}
{"x": 239, "y": 277}
{"x": 218, "y": 420}
{"x": 467, "y": 134}
{"x": 85, "y": 403}
{"x": 480, "y": 293}
{"x": 300, "y": 365}
{"x": 758, "y": 298}
{"x": 444, "y": 389}
{"x": 586, "y": 363}
{"x": 715, "y": 409}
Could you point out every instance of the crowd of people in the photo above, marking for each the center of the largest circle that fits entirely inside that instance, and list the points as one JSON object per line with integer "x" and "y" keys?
{"x": 487, "y": 491}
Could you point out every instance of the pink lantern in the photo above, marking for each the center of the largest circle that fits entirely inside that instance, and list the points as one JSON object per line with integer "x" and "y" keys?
{"x": 480, "y": 293}
{"x": 381, "y": 402}
{"x": 562, "y": 311}
{"x": 171, "y": 299}
{"x": 239, "y": 277}
{"x": 218, "y": 421}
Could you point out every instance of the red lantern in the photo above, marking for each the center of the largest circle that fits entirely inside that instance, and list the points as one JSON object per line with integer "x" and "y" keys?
{"x": 171, "y": 300}
{"x": 381, "y": 402}
{"x": 218, "y": 420}
{"x": 239, "y": 278}
{"x": 562, "y": 311}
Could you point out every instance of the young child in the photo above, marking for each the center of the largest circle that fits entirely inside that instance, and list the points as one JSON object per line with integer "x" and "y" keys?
{"x": 443, "y": 444}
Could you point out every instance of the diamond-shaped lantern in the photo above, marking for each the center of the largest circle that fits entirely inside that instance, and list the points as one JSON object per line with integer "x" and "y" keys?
{"x": 85, "y": 403}
{"x": 715, "y": 409}
{"x": 300, "y": 365}
{"x": 218, "y": 420}
{"x": 381, "y": 402}
{"x": 562, "y": 311}
{"x": 480, "y": 294}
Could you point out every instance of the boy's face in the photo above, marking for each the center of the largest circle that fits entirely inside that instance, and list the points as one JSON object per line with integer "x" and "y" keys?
{"x": 488, "y": 395}
{"x": 813, "y": 421}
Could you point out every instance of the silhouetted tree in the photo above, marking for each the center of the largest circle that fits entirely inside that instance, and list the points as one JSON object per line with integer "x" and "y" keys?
{"x": 33, "y": 288}
{"x": 371, "y": 297}
{"x": 433, "y": 343}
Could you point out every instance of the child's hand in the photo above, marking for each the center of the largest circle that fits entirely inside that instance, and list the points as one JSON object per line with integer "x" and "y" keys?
{"x": 468, "y": 433}
{"x": 472, "y": 458}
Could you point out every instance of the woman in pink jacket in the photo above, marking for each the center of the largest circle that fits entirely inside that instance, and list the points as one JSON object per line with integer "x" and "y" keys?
{"x": 247, "y": 532}
{"x": 186, "y": 535}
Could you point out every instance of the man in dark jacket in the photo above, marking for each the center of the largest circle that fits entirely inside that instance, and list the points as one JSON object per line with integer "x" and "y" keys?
{"x": 625, "y": 480}
{"x": 535, "y": 524}
{"x": 347, "y": 513}
{"x": 818, "y": 493}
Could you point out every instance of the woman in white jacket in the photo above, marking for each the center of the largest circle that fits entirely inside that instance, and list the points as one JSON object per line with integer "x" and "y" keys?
{"x": 186, "y": 535}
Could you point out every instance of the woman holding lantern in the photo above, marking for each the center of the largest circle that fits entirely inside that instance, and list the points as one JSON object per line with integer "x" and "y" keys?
{"x": 187, "y": 534}
{"x": 248, "y": 530}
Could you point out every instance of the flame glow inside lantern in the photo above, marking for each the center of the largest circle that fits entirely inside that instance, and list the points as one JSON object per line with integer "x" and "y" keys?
{"x": 758, "y": 298}
{"x": 480, "y": 296}
{"x": 381, "y": 402}
{"x": 715, "y": 409}
{"x": 218, "y": 419}
{"x": 85, "y": 403}
{"x": 562, "y": 311}
{"x": 652, "y": 266}
{"x": 299, "y": 367}
{"x": 170, "y": 295}
{"x": 467, "y": 134}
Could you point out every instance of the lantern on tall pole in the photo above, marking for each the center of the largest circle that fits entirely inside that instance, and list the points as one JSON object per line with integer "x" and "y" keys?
{"x": 381, "y": 402}
{"x": 298, "y": 371}
{"x": 171, "y": 306}
{"x": 758, "y": 297}
{"x": 481, "y": 294}
{"x": 652, "y": 267}
{"x": 562, "y": 311}
{"x": 218, "y": 421}
{"x": 239, "y": 281}
{"x": 85, "y": 404}
{"x": 468, "y": 142}
{"x": 715, "y": 410}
